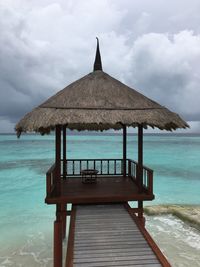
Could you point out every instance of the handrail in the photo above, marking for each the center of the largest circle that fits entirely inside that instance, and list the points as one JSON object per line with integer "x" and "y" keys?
{"x": 104, "y": 166}
{"x": 50, "y": 180}
{"x": 51, "y": 169}
{"x": 93, "y": 159}
{"x": 147, "y": 178}
{"x": 108, "y": 167}
{"x": 144, "y": 167}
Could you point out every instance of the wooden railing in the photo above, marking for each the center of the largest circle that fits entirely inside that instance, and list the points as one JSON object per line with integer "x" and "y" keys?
{"x": 147, "y": 179}
{"x": 50, "y": 180}
{"x": 132, "y": 169}
{"x": 106, "y": 167}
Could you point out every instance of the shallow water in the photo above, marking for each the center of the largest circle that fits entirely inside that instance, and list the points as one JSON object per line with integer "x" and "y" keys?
{"x": 178, "y": 241}
{"x": 26, "y": 223}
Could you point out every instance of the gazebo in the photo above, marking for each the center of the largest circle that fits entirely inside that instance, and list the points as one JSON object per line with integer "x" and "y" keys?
{"x": 96, "y": 102}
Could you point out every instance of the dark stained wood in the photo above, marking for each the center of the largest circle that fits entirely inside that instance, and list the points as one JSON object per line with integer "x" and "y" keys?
{"x": 63, "y": 214}
{"x": 58, "y": 159}
{"x": 104, "y": 166}
{"x": 150, "y": 182}
{"x": 148, "y": 238}
{"x": 50, "y": 180}
{"x": 124, "y": 149}
{"x": 140, "y": 213}
{"x": 106, "y": 189}
{"x": 58, "y": 238}
{"x": 140, "y": 157}
{"x": 70, "y": 245}
{"x": 64, "y": 151}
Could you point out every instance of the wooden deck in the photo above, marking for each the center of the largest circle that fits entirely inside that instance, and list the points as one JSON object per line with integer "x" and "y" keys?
{"x": 106, "y": 189}
{"x": 109, "y": 235}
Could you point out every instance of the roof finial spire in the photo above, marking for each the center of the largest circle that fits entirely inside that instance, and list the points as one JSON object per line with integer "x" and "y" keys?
{"x": 97, "y": 62}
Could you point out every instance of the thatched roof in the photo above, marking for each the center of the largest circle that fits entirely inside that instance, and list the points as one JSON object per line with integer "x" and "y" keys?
{"x": 98, "y": 102}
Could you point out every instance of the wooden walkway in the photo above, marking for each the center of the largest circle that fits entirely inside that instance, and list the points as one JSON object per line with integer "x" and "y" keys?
{"x": 109, "y": 235}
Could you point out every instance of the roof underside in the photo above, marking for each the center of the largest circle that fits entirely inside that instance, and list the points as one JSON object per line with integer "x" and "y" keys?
{"x": 98, "y": 102}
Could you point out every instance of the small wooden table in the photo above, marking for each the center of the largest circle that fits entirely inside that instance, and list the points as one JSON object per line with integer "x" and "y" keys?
{"x": 89, "y": 175}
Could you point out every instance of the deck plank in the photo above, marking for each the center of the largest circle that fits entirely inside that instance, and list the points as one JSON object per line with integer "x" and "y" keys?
{"x": 106, "y": 235}
{"x": 106, "y": 189}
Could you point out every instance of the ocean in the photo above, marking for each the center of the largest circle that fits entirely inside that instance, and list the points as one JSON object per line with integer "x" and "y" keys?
{"x": 26, "y": 222}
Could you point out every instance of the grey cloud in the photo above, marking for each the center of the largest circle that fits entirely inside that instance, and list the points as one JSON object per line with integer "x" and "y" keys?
{"x": 166, "y": 68}
{"x": 48, "y": 44}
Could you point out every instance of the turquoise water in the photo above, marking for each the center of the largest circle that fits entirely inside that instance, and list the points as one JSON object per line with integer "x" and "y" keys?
{"x": 26, "y": 222}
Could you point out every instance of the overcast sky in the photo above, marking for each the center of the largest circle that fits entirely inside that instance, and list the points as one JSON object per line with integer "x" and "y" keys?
{"x": 153, "y": 46}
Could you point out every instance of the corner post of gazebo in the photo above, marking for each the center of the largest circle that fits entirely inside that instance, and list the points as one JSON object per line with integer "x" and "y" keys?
{"x": 58, "y": 159}
{"x": 64, "y": 152}
{"x": 140, "y": 157}
{"x": 124, "y": 149}
{"x": 58, "y": 222}
{"x": 140, "y": 172}
{"x": 64, "y": 206}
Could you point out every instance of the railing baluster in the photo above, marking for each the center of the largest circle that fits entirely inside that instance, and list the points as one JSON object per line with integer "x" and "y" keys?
{"x": 129, "y": 168}
{"x": 68, "y": 167}
{"x": 143, "y": 176}
{"x": 114, "y": 167}
{"x": 146, "y": 178}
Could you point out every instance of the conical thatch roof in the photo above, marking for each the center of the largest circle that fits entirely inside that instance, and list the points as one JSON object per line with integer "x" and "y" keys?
{"x": 98, "y": 102}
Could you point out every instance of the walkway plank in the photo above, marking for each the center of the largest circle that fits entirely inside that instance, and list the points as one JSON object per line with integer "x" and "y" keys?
{"x": 108, "y": 235}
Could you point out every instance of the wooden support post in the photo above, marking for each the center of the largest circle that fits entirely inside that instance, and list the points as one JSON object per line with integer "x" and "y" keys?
{"x": 124, "y": 149}
{"x": 58, "y": 238}
{"x": 70, "y": 245}
{"x": 64, "y": 152}
{"x": 58, "y": 159}
{"x": 140, "y": 158}
{"x": 141, "y": 212}
{"x": 63, "y": 214}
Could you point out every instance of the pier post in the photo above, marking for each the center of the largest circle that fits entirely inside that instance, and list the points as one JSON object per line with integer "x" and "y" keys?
{"x": 141, "y": 213}
{"x": 64, "y": 152}
{"x": 140, "y": 158}
{"x": 64, "y": 214}
{"x": 58, "y": 159}
{"x": 124, "y": 149}
{"x": 58, "y": 238}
